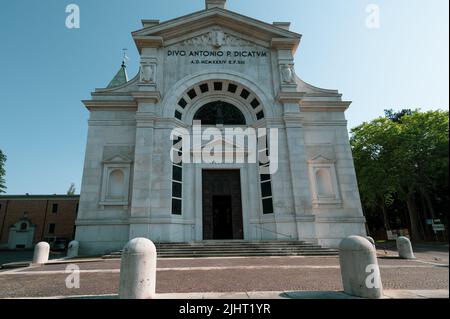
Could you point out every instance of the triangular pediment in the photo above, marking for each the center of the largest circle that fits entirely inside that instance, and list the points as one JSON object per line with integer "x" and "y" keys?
{"x": 196, "y": 26}
{"x": 118, "y": 154}
{"x": 320, "y": 159}
{"x": 215, "y": 36}
{"x": 121, "y": 158}
{"x": 224, "y": 143}
{"x": 222, "y": 146}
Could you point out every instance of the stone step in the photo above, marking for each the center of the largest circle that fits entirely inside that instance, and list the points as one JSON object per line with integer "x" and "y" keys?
{"x": 237, "y": 248}
{"x": 246, "y": 252}
{"x": 241, "y": 246}
{"x": 234, "y": 246}
{"x": 215, "y": 242}
{"x": 197, "y": 244}
{"x": 242, "y": 255}
{"x": 234, "y": 254}
{"x": 240, "y": 249}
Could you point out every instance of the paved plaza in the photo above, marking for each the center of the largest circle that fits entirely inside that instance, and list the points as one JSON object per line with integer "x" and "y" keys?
{"x": 264, "y": 277}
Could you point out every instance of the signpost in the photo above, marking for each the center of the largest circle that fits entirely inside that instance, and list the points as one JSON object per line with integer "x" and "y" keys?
{"x": 438, "y": 227}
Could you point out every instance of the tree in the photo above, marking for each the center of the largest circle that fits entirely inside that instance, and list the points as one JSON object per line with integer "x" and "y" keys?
{"x": 396, "y": 116}
{"x": 423, "y": 145}
{"x": 2, "y": 172}
{"x": 405, "y": 155}
{"x": 71, "y": 190}
{"x": 370, "y": 145}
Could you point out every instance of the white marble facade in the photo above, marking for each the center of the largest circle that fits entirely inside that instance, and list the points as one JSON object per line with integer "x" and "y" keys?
{"x": 127, "y": 180}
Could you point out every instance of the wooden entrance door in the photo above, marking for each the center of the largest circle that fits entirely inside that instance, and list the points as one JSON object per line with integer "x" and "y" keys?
{"x": 222, "y": 205}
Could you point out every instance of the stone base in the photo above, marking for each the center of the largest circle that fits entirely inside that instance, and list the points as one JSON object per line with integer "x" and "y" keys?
{"x": 104, "y": 239}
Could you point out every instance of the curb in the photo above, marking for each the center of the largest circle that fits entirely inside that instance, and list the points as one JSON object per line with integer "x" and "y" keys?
{"x": 388, "y": 294}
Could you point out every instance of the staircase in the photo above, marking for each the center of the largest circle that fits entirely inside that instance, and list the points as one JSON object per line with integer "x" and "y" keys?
{"x": 237, "y": 248}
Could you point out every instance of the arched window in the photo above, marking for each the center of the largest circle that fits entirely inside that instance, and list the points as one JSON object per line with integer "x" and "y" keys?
{"x": 324, "y": 183}
{"x": 220, "y": 113}
{"x": 23, "y": 226}
{"x": 116, "y": 184}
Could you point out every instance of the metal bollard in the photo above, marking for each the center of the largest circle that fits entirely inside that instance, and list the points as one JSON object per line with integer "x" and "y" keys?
{"x": 359, "y": 268}
{"x": 138, "y": 270}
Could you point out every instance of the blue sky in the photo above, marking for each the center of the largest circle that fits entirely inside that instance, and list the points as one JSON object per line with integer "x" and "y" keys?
{"x": 48, "y": 69}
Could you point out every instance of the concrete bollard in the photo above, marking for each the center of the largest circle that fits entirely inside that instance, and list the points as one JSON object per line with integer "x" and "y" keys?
{"x": 404, "y": 248}
{"x": 359, "y": 268}
{"x": 372, "y": 241}
{"x": 72, "y": 250}
{"x": 41, "y": 252}
{"x": 138, "y": 270}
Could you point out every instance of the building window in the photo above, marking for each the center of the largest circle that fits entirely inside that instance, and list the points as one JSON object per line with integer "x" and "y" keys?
{"x": 266, "y": 191}
{"x": 265, "y": 180}
{"x": 23, "y": 226}
{"x": 267, "y": 206}
{"x": 54, "y": 208}
{"x": 177, "y": 177}
{"x": 245, "y": 94}
{"x": 255, "y": 103}
{"x": 260, "y": 115}
{"x": 192, "y": 94}
{"x": 182, "y": 103}
{"x": 51, "y": 228}
{"x": 220, "y": 113}
{"x": 219, "y": 86}
{"x": 204, "y": 88}
{"x": 232, "y": 88}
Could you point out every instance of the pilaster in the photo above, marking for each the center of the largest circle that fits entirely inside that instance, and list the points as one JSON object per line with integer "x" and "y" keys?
{"x": 141, "y": 197}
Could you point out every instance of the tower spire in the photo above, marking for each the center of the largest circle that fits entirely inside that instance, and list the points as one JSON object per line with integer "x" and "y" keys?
{"x": 124, "y": 58}
{"x": 121, "y": 77}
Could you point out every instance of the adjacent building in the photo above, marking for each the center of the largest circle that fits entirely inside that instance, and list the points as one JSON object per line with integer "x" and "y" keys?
{"x": 28, "y": 219}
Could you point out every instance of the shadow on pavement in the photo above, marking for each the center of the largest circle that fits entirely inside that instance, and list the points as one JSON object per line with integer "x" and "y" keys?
{"x": 316, "y": 295}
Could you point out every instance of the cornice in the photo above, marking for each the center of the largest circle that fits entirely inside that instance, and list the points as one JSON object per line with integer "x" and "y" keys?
{"x": 110, "y": 105}
{"x": 216, "y": 12}
{"x": 147, "y": 96}
{"x": 145, "y": 41}
{"x": 341, "y": 219}
{"x": 324, "y": 106}
{"x": 152, "y": 36}
{"x": 286, "y": 43}
{"x": 290, "y": 97}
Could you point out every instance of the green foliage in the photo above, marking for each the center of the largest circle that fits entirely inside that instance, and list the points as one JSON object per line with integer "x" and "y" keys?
{"x": 71, "y": 190}
{"x": 2, "y": 172}
{"x": 401, "y": 156}
{"x": 396, "y": 116}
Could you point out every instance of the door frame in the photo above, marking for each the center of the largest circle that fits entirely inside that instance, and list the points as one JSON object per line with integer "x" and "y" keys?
{"x": 199, "y": 195}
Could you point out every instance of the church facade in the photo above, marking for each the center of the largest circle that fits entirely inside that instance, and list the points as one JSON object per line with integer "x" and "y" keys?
{"x": 222, "y": 70}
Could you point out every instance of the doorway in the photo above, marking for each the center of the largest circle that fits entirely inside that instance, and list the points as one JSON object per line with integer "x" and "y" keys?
{"x": 222, "y": 205}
